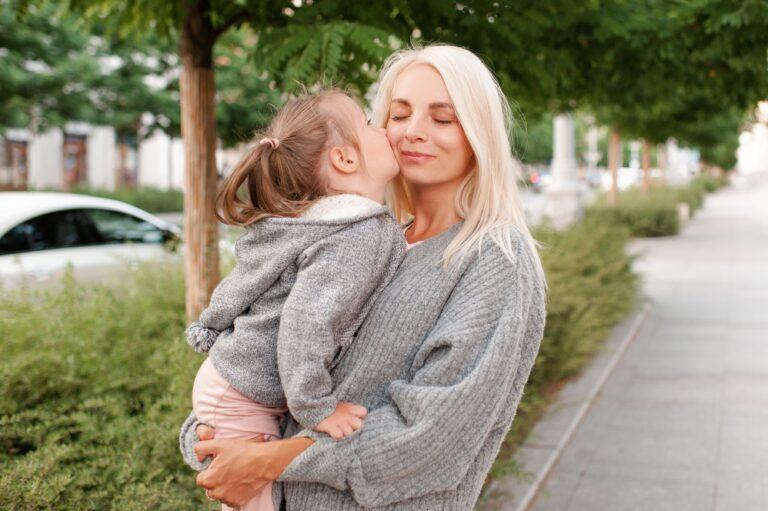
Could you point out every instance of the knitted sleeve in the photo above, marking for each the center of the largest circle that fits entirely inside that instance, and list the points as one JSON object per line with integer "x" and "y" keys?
{"x": 461, "y": 388}
{"x": 337, "y": 279}
{"x": 253, "y": 274}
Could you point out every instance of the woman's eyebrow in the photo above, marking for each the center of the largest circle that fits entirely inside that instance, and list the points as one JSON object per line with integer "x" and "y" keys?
{"x": 432, "y": 106}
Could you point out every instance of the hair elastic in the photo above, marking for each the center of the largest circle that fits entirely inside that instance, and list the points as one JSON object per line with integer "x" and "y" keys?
{"x": 273, "y": 142}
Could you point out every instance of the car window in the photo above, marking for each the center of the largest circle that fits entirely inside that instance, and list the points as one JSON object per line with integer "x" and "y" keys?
{"x": 16, "y": 240}
{"x": 60, "y": 229}
{"x": 117, "y": 227}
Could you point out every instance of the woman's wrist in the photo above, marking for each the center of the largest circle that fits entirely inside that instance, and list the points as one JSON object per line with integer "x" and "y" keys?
{"x": 282, "y": 453}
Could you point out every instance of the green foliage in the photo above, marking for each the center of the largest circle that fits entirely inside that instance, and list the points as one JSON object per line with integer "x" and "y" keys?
{"x": 591, "y": 289}
{"x": 57, "y": 69}
{"x": 655, "y": 214}
{"x": 247, "y": 96}
{"x": 93, "y": 386}
{"x": 644, "y": 216}
{"x": 152, "y": 200}
{"x": 343, "y": 53}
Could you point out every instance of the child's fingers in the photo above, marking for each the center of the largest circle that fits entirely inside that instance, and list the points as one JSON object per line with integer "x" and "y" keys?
{"x": 346, "y": 429}
{"x": 355, "y": 423}
{"x": 358, "y": 411}
{"x": 335, "y": 432}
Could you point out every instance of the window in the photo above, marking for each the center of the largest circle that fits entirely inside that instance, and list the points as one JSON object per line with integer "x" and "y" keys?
{"x": 60, "y": 229}
{"x": 16, "y": 240}
{"x": 117, "y": 227}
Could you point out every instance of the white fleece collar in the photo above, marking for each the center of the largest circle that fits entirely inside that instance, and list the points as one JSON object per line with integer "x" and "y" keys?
{"x": 337, "y": 207}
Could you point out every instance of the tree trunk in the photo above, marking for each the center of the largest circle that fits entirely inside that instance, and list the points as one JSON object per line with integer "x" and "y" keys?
{"x": 646, "y": 158}
{"x": 661, "y": 158}
{"x": 198, "y": 128}
{"x": 122, "y": 171}
{"x": 614, "y": 153}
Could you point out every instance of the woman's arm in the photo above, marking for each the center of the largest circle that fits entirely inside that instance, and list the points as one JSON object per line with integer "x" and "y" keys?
{"x": 467, "y": 380}
{"x": 241, "y": 468}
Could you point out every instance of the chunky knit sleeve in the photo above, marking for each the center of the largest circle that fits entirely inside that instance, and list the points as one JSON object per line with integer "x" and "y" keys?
{"x": 337, "y": 281}
{"x": 464, "y": 382}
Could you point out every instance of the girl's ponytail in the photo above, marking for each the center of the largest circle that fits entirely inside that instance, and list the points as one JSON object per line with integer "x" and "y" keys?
{"x": 282, "y": 173}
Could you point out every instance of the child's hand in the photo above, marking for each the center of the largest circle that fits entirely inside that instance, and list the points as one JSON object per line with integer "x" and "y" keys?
{"x": 347, "y": 418}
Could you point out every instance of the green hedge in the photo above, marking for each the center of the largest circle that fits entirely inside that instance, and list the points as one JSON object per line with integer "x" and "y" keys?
{"x": 95, "y": 381}
{"x": 152, "y": 200}
{"x": 655, "y": 214}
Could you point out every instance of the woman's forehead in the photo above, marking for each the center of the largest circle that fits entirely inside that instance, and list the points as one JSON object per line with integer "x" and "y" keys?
{"x": 420, "y": 81}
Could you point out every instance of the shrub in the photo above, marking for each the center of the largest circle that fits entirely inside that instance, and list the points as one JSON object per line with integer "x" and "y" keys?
{"x": 94, "y": 383}
{"x": 153, "y": 200}
{"x": 645, "y": 216}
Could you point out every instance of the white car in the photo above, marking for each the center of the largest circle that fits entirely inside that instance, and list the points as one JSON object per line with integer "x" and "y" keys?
{"x": 41, "y": 233}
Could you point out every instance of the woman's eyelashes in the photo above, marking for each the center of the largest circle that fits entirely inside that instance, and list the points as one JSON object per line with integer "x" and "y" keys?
{"x": 438, "y": 121}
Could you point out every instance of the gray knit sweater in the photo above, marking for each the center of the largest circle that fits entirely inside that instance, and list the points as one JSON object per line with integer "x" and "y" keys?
{"x": 440, "y": 362}
{"x": 299, "y": 291}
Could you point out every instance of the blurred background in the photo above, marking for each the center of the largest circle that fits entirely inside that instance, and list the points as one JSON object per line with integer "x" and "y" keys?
{"x": 641, "y": 132}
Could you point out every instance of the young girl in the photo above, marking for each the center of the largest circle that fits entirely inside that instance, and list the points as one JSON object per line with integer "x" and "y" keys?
{"x": 318, "y": 249}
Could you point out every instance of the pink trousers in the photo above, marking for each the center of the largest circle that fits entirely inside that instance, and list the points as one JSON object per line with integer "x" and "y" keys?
{"x": 233, "y": 415}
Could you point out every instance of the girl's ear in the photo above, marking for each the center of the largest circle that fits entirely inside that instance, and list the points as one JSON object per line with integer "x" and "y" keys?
{"x": 343, "y": 161}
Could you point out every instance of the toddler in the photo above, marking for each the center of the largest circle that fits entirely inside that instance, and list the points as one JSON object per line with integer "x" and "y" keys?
{"x": 318, "y": 248}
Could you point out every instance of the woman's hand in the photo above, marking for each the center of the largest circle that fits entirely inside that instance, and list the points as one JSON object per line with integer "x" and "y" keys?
{"x": 241, "y": 468}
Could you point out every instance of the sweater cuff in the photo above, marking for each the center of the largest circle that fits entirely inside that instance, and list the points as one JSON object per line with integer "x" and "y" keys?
{"x": 327, "y": 461}
{"x": 309, "y": 415}
{"x": 201, "y": 338}
{"x": 187, "y": 440}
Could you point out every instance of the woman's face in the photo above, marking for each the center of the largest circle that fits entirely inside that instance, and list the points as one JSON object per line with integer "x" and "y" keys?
{"x": 425, "y": 134}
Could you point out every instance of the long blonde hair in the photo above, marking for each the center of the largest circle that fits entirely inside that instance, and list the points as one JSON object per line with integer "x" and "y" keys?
{"x": 488, "y": 199}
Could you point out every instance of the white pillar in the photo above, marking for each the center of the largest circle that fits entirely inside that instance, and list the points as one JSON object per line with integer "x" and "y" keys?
{"x": 634, "y": 154}
{"x": 102, "y": 158}
{"x": 45, "y": 155}
{"x": 154, "y": 163}
{"x": 563, "y": 205}
{"x": 593, "y": 154}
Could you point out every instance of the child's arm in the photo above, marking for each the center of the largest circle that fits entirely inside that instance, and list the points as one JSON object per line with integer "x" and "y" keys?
{"x": 335, "y": 283}
{"x": 254, "y": 272}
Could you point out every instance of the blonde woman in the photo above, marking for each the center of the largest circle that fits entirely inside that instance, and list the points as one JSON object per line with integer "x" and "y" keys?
{"x": 442, "y": 358}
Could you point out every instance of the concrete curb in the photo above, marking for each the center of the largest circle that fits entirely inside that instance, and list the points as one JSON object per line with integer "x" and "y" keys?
{"x": 556, "y": 430}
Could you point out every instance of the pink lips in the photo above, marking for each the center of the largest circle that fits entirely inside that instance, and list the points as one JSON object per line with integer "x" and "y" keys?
{"x": 415, "y": 157}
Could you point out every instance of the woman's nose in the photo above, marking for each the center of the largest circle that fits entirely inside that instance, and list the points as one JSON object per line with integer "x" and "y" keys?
{"x": 414, "y": 131}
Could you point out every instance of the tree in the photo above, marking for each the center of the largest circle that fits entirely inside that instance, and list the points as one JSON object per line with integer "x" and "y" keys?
{"x": 196, "y": 26}
{"x": 57, "y": 69}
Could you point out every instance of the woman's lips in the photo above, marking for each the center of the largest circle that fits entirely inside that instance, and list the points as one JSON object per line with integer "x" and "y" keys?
{"x": 415, "y": 157}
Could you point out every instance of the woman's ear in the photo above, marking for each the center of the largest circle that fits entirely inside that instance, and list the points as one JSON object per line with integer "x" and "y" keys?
{"x": 343, "y": 161}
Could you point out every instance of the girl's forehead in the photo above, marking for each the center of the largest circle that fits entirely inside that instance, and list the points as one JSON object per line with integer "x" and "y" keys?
{"x": 348, "y": 106}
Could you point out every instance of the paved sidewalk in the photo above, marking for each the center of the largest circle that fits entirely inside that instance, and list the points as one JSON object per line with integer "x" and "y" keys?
{"x": 682, "y": 424}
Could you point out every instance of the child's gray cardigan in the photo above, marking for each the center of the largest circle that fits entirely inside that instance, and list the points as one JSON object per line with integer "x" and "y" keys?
{"x": 300, "y": 289}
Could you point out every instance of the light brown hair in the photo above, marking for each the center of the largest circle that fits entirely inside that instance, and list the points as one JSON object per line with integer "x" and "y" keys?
{"x": 287, "y": 179}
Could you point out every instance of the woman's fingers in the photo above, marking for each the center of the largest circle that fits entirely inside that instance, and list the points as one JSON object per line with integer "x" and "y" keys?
{"x": 205, "y": 432}
{"x": 205, "y": 448}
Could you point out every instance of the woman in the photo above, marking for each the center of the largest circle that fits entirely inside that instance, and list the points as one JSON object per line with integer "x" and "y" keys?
{"x": 443, "y": 356}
